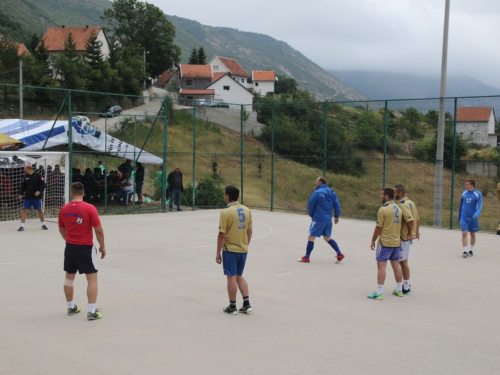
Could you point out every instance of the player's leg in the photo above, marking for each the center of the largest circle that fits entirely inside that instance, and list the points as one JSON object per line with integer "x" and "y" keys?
{"x": 381, "y": 272}
{"x": 315, "y": 230}
{"x": 405, "y": 268}
{"x": 229, "y": 264}
{"x": 92, "y": 290}
{"x": 242, "y": 284}
{"x": 68, "y": 287}
{"x": 70, "y": 268}
{"x": 472, "y": 243}
{"x": 38, "y": 207}
{"x": 330, "y": 241}
{"x": 464, "y": 227}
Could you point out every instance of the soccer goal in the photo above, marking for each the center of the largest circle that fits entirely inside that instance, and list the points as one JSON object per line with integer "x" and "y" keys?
{"x": 53, "y": 166}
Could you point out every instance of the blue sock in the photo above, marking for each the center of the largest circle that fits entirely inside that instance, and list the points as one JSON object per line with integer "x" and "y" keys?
{"x": 335, "y": 246}
{"x": 309, "y": 248}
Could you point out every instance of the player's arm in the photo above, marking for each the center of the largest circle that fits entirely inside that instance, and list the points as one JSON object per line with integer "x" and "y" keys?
{"x": 63, "y": 232}
{"x": 460, "y": 208}
{"x": 99, "y": 233}
{"x": 220, "y": 244}
{"x": 41, "y": 186}
{"x": 336, "y": 209}
{"x": 311, "y": 205}
{"x": 376, "y": 234}
{"x": 249, "y": 235}
{"x": 22, "y": 189}
{"x": 479, "y": 206}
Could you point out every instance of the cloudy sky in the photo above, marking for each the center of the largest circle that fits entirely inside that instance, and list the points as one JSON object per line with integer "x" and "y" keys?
{"x": 385, "y": 35}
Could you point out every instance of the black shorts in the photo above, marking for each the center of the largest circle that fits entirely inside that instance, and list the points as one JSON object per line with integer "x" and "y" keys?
{"x": 81, "y": 258}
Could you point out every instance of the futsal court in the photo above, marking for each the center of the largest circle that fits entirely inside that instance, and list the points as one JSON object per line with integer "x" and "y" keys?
{"x": 161, "y": 294}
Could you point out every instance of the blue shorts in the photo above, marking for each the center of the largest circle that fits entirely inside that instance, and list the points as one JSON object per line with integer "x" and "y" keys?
{"x": 469, "y": 224}
{"x": 321, "y": 228}
{"x": 36, "y": 203}
{"x": 233, "y": 263}
{"x": 388, "y": 253}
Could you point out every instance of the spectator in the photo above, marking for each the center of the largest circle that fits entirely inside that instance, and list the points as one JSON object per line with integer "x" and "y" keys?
{"x": 175, "y": 188}
{"x": 126, "y": 167}
{"x": 139, "y": 181}
{"x": 127, "y": 187}
{"x": 88, "y": 183}
{"x": 101, "y": 167}
{"x": 159, "y": 177}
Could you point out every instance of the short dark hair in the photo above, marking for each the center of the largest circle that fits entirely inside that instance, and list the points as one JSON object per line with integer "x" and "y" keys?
{"x": 77, "y": 188}
{"x": 322, "y": 180}
{"x": 471, "y": 182}
{"x": 400, "y": 188}
{"x": 389, "y": 192}
{"x": 233, "y": 192}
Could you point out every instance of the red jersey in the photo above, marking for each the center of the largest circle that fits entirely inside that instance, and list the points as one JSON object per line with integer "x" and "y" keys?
{"x": 79, "y": 218}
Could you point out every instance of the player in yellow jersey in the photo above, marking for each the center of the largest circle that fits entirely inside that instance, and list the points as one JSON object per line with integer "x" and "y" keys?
{"x": 235, "y": 233}
{"x": 408, "y": 233}
{"x": 387, "y": 231}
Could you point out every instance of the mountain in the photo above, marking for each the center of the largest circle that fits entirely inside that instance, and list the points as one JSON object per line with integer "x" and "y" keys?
{"x": 22, "y": 18}
{"x": 385, "y": 85}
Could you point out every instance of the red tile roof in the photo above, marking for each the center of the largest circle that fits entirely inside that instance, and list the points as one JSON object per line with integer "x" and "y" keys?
{"x": 470, "y": 114}
{"x": 233, "y": 66}
{"x": 218, "y": 76}
{"x": 263, "y": 75}
{"x": 55, "y": 36}
{"x": 165, "y": 76}
{"x": 21, "y": 48}
{"x": 197, "y": 92}
{"x": 196, "y": 71}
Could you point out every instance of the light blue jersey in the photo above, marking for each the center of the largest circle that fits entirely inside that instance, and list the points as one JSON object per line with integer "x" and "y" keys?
{"x": 470, "y": 205}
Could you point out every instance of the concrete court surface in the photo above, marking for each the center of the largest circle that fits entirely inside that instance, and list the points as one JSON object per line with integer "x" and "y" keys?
{"x": 161, "y": 295}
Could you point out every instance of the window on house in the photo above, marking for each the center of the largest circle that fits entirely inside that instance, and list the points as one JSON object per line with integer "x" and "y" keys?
{"x": 215, "y": 67}
{"x": 189, "y": 82}
{"x": 242, "y": 80}
{"x": 190, "y": 97}
{"x": 226, "y": 88}
{"x": 256, "y": 83}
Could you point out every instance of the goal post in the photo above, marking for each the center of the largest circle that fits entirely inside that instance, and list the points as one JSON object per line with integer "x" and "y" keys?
{"x": 54, "y": 168}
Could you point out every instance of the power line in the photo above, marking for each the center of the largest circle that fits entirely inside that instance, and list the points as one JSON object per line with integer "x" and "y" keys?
{"x": 8, "y": 71}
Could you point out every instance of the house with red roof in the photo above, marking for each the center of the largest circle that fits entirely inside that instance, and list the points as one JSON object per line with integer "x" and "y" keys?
{"x": 55, "y": 37}
{"x": 21, "y": 48}
{"x": 226, "y": 65}
{"x": 228, "y": 90}
{"x": 477, "y": 125}
{"x": 263, "y": 82}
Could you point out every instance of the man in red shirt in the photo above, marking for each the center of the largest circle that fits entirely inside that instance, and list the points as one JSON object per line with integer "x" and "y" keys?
{"x": 76, "y": 220}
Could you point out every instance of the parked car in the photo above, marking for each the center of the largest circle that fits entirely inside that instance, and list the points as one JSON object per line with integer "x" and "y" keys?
{"x": 206, "y": 103}
{"x": 111, "y": 111}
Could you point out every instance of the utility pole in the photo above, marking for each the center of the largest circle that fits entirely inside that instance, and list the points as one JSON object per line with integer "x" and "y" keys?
{"x": 21, "y": 89}
{"x": 438, "y": 190}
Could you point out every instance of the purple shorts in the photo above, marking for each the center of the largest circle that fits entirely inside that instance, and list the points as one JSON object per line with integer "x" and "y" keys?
{"x": 36, "y": 203}
{"x": 388, "y": 253}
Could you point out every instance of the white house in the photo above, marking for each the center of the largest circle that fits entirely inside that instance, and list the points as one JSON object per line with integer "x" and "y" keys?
{"x": 230, "y": 91}
{"x": 225, "y": 65}
{"x": 477, "y": 125}
{"x": 263, "y": 81}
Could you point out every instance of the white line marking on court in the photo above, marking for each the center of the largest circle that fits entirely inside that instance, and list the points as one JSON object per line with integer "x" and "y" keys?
{"x": 284, "y": 274}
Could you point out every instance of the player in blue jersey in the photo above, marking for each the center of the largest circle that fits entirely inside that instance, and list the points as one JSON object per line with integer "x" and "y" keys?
{"x": 320, "y": 206}
{"x": 468, "y": 215}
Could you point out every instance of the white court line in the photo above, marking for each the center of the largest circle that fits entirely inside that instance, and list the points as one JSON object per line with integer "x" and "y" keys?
{"x": 284, "y": 274}
{"x": 270, "y": 229}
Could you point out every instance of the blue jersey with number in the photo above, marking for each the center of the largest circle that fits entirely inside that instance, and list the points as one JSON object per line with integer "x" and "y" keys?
{"x": 321, "y": 204}
{"x": 470, "y": 204}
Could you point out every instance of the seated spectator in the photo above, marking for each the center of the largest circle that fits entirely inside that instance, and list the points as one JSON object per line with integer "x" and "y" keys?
{"x": 77, "y": 175}
{"x": 127, "y": 187}
{"x": 88, "y": 183}
{"x": 98, "y": 177}
{"x": 147, "y": 199}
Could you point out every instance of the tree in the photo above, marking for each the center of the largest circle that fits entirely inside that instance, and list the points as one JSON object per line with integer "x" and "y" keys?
{"x": 202, "y": 57}
{"x": 193, "y": 59}
{"x": 69, "y": 67}
{"x": 142, "y": 28}
{"x": 285, "y": 85}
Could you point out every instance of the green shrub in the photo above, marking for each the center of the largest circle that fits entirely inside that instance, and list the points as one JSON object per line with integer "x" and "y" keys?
{"x": 209, "y": 194}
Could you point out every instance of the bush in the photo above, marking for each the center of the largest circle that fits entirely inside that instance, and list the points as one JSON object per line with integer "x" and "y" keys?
{"x": 209, "y": 194}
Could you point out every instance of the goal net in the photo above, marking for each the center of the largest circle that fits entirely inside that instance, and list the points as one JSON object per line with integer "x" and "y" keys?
{"x": 53, "y": 166}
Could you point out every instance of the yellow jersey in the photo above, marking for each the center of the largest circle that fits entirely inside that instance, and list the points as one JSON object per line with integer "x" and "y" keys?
{"x": 235, "y": 221}
{"x": 389, "y": 219}
{"x": 406, "y": 209}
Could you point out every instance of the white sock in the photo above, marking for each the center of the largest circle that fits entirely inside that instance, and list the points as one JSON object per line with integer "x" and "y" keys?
{"x": 465, "y": 249}
{"x": 92, "y": 308}
{"x": 22, "y": 225}
{"x": 43, "y": 223}
{"x": 406, "y": 284}
{"x": 399, "y": 286}
{"x": 380, "y": 289}
{"x": 471, "y": 247}
{"x": 71, "y": 304}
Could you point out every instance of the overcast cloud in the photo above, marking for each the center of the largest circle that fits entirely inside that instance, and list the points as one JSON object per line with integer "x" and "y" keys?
{"x": 388, "y": 35}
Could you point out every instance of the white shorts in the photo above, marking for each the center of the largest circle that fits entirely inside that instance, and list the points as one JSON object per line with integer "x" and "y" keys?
{"x": 405, "y": 250}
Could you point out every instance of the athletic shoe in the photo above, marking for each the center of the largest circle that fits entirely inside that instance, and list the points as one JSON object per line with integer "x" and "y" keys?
{"x": 74, "y": 310}
{"x": 471, "y": 253}
{"x": 375, "y": 295}
{"x": 179, "y": 209}
{"x": 397, "y": 293}
{"x": 44, "y": 227}
{"x": 246, "y": 309}
{"x": 230, "y": 310}
{"x": 406, "y": 291}
{"x": 304, "y": 260}
{"x": 93, "y": 316}
{"x": 465, "y": 255}
{"x": 20, "y": 229}
{"x": 340, "y": 257}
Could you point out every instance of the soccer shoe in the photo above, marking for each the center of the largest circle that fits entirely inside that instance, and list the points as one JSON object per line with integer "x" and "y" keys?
{"x": 406, "y": 291}
{"x": 74, "y": 310}
{"x": 93, "y": 316}
{"x": 375, "y": 295}
{"x": 471, "y": 253}
{"x": 340, "y": 257}
{"x": 20, "y": 229}
{"x": 230, "y": 310}
{"x": 44, "y": 227}
{"x": 246, "y": 309}
{"x": 397, "y": 293}
{"x": 465, "y": 254}
{"x": 179, "y": 209}
{"x": 304, "y": 260}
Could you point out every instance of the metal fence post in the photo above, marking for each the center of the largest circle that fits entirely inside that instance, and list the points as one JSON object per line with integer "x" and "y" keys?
{"x": 164, "y": 164}
{"x": 241, "y": 152}
{"x": 454, "y": 163}
{"x": 385, "y": 145}
{"x": 272, "y": 157}
{"x": 194, "y": 155}
{"x": 325, "y": 115}
{"x": 70, "y": 139}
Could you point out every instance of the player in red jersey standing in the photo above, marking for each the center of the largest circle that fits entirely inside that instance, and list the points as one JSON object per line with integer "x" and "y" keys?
{"x": 76, "y": 220}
